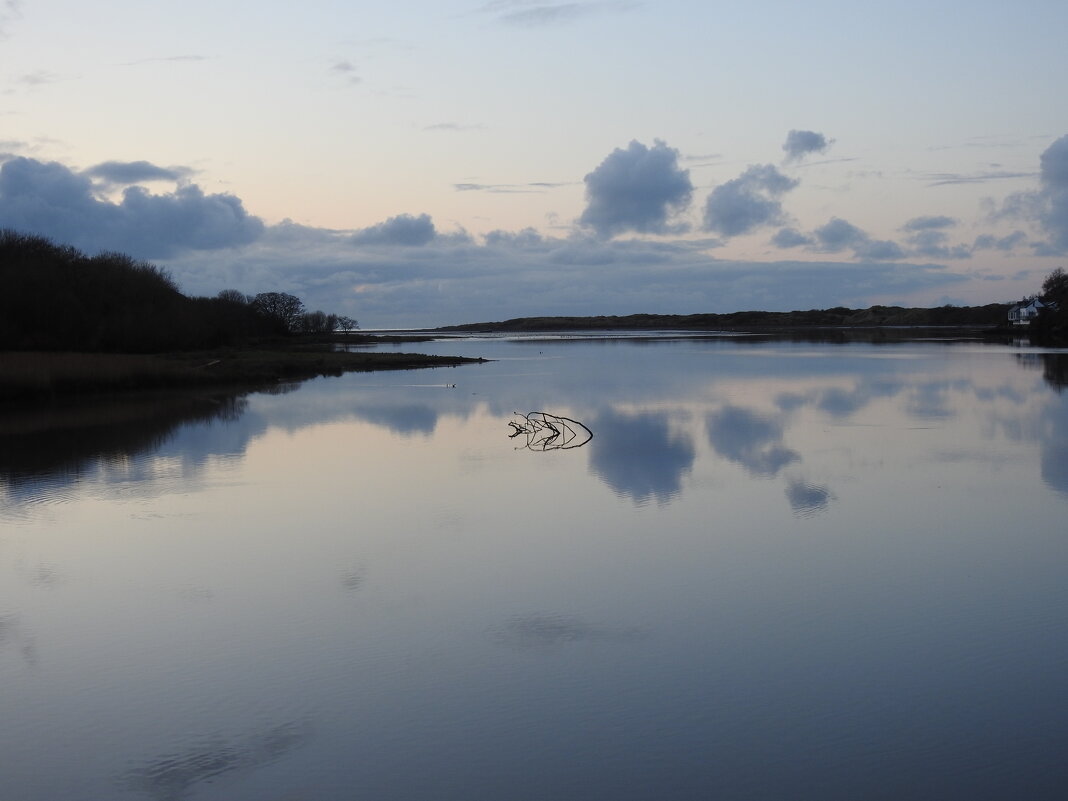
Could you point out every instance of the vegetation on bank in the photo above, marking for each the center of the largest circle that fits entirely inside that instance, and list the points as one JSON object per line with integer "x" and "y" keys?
{"x": 1051, "y": 325}
{"x": 1049, "y": 328}
{"x": 993, "y": 314}
{"x": 41, "y": 375}
{"x": 56, "y": 298}
{"x": 72, "y": 323}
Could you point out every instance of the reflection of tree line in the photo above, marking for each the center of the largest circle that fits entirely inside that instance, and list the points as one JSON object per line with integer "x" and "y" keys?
{"x": 639, "y": 455}
{"x": 1054, "y": 367}
{"x": 1055, "y": 370}
{"x": 71, "y": 439}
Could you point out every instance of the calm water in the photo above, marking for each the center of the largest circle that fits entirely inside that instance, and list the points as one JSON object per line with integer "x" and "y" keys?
{"x": 777, "y": 571}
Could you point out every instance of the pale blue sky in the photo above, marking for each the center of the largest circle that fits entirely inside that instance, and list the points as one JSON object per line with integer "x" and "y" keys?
{"x": 432, "y": 158}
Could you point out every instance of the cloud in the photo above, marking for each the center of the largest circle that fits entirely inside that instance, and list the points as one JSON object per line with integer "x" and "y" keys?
{"x": 527, "y": 238}
{"x": 926, "y": 236}
{"x": 453, "y": 126}
{"x": 135, "y": 172}
{"x": 790, "y": 238}
{"x": 347, "y": 70}
{"x": 799, "y": 144}
{"x": 10, "y": 10}
{"x": 838, "y": 235}
{"x": 879, "y": 250}
{"x": 53, "y": 200}
{"x": 404, "y": 229}
{"x": 179, "y": 58}
{"x": 947, "y": 178}
{"x": 637, "y": 189}
{"x": 545, "y": 15}
{"x": 1054, "y": 174}
{"x": 524, "y": 273}
{"x": 536, "y": 14}
{"x": 1047, "y": 207}
{"x": 39, "y": 78}
{"x": 1005, "y": 243}
{"x": 929, "y": 222}
{"x": 702, "y": 158}
{"x": 934, "y": 244}
{"x": 209, "y": 243}
{"x": 9, "y": 148}
{"x": 535, "y": 187}
{"x": 748, "y": 202}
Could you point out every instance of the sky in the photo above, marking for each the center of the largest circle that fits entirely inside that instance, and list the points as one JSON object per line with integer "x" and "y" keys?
{"x": 432, "y": 163}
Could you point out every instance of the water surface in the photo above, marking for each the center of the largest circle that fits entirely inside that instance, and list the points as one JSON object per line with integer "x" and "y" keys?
{"x": 778, "y": 570}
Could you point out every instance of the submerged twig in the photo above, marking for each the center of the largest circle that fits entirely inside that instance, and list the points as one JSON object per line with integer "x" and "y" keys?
{"x": 549, "y": 432}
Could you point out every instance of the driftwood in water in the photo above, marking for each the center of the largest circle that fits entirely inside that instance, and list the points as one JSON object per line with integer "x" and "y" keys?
{"x": 549, "y": 432}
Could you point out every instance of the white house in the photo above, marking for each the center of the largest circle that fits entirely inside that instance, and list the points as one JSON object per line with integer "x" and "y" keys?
{"x": 1022, "y": 313}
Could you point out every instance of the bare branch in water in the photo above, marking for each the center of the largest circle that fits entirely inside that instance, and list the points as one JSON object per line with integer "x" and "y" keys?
{"x": 549, "y": 432}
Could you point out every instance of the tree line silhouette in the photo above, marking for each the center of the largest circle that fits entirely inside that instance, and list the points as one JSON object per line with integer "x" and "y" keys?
{"x": 54, "y": 297}
{"x": 1051, "y": 325}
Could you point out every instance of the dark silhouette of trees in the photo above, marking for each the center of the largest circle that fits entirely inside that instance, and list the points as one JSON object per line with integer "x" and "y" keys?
{"x": 1055, "y": 287}
{"x": 282, "y": 309}
{"x": 233, "y": 296}
{"x": 318, "y": 322}
{"x": 1051, "y": 325}
{"x": 54, "y": 297}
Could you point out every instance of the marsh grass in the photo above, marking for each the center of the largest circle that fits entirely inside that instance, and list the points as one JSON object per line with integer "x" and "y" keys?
{"x": 26, "y": 375}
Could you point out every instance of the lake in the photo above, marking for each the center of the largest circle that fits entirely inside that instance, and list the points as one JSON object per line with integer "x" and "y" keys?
{"x": 777, "y": 570}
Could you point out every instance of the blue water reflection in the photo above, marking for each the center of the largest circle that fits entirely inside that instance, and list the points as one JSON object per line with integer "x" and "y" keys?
{"x": 778, "y": 570}
{"x": 638, "y": 456}
{"x": 751, "y": 440}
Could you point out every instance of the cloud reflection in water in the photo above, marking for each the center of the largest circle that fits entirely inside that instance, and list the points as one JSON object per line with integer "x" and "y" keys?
{"x": 639, "y": 455}
{"x": 753, "y": 441}
{"x": 807, "y": 499}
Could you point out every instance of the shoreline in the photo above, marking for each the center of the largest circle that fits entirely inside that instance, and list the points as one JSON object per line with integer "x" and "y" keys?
{"x": 36, "y": 375}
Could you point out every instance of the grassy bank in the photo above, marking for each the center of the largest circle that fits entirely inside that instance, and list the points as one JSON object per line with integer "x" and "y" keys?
{"x": 33, "y": 375}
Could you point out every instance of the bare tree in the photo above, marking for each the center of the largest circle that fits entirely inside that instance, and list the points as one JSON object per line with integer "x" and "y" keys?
{"x": 233, "y": 296}
{"x": 283, "y": 309}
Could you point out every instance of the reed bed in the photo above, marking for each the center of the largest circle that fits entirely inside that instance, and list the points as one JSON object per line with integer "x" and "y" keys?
{"x": 27, "y": 375}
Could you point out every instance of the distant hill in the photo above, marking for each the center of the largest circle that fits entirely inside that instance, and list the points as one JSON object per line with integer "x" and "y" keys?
{"x": 991, "y": 315}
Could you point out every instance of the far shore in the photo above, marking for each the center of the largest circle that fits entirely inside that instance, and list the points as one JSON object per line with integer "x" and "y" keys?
{"x": 28, "y": 376}
{"x": 990, "y": 316}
